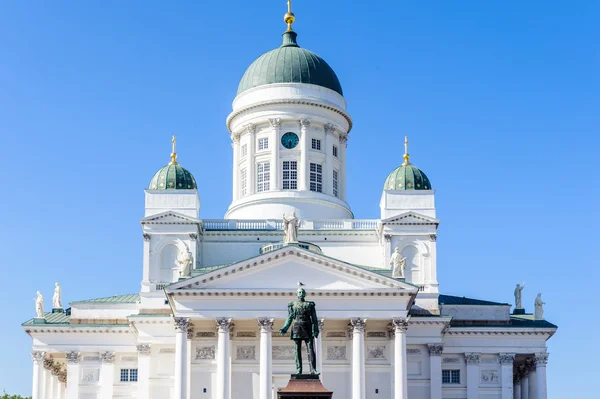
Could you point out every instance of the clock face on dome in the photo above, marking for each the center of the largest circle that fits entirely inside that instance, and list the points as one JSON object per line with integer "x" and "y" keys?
{"x": 289, "y": 140}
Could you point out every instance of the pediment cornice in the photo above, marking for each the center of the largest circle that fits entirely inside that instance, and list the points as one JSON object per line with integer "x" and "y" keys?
{"x": 169, "y": 217}
{"x": 410, "y": 218}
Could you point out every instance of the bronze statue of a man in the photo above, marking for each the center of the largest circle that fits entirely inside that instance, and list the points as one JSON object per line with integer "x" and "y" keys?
{"x": 306, "y": 328}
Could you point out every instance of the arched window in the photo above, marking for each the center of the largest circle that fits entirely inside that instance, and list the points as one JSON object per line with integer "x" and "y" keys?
{"x": 412, "y": 270}
{"x": 168, "y": 264}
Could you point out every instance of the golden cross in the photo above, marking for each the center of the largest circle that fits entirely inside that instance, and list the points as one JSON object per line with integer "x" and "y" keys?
{"x": 174, "y": 153}
{"x": 406, "y": 156}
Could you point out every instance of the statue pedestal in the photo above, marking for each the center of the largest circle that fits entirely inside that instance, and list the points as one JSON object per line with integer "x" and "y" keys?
{"x": 519, "y": 311}
{"x": 304, "y": 386}
{"x": 39, "y": 320}
{"x": 58, "y": 310}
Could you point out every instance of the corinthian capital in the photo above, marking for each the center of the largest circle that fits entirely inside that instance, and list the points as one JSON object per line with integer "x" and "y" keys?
{"x": 435, "y": 349}
{"x": 275, "y": 122}
{"x": 304, "y": 123}
{"x": 72, "y": 357}
{"x": 472, "y": 358}
{"x": 38, "y": 356}
{"x": 224, "y": 324}
{"x": 250, "y": 128}
{"x": 265, "y": 324}
{"x": 358, "y": 324}
{"x": 541, "y": 358}
{"x": 143, "y": 349}
{"x": 399, "y": 325}
{"x": 329, "y": 128}
{"x": 181, "y": 324}
{"x": 506, "y": 358}
{"x": 107, "y": 357}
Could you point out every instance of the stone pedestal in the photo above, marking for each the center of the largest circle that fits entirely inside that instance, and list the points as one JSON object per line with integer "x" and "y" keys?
{"x": 519, "y": 311}
{"x": 304, "y": 386}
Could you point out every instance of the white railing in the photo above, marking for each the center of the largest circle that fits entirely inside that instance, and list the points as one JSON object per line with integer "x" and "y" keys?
{"x": 270, "y": 224}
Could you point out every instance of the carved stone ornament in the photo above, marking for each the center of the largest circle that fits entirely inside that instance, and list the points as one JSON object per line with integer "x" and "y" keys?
{"x": 38, "y": 356}
{"x": 472, "y": 358}
{"x": 435, "y": 349}
{"x": 344, "y": 140}
{"x": 56, "y": 369}
{"x": 283, "y": 352}
{"x": 205, "y": 352}
{"x": 506, "y": 358}
{"x": 90, "y": 376}
{"x": 247, "y": 352}
{"x": 336, "y": 352}
{"x": 357, "y": 324}
{"x": 250, "y": 128}
{"x": 193, "y": 236}
{"x": 377, "y": 334}
{"x": 107, "y": 357}
{"x": 181, "y": 324}
{"x": 329, "y": 128}
{"x": 143, "y": 349}
{"x": 245, "y": 334}
{"x": 336, "y": 334}
{"x": 387, "y": 237}
{"x": 399, "y": 324}
{"x": 453, "y": 360}
{"x": 72, "y": 357}
{"x": 490, "y": 377}
{"x": 433, "y": 237}
{"x": 413, "y": 351}
{"x": 146, "y": 237}
{"x": 275, "y": 122}
{"x": 224, "y": 324}
{"x": 304, "y": 123}
{"x": 48, "y": 363}
{"x": 62, "y": 377}
{"x": 541, "y": 359}
{"x": 265, "y": 324}
{"x": 206, "y": 334}
{"x": 190, "y": 333}
{"x": 376, "y": 352}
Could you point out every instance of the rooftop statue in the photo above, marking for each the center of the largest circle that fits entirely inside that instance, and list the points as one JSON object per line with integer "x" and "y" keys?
{"x": 398, "y": 264}
{"x": 56, "y": 300}
{"x": 539, "y": 307}
{"x": 518, "y": 301}
{"x": 185, "y": 259}
{"x": 290, "y": 228}
{"x": 39, "y": 305}
{"x": 303, "y": 315}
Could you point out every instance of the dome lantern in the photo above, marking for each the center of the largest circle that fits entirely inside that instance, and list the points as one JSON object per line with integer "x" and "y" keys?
{"x": 407, "y": 176}
{"x": 173, "y": 176}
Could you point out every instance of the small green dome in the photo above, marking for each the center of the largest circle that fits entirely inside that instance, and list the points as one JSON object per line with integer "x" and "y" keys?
{"x": 172, "y": 177}
{"x": 407, "y": 177}
{"x": 290, "y": 64}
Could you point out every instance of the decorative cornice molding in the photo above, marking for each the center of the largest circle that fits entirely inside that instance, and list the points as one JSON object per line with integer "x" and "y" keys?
{"x": 224, "y": 324}
{"x": 73, "y": 357}
{"x": 181, "y": 324}
{"x": 472, "y": 358}
{"x": 107, "y": 357}
{"x": 265, "y": 324}
{"x": 435, "y": 349}
{"x": 143, "y": 349}
{"x": 541, "y": 359}
{"x": 38, "y": 356}
{"x": 506, "y": 358}
{"x": 358, "y": 324}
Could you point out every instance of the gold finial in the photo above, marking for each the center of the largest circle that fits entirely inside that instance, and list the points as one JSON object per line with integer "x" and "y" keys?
{"x": 174, "y": 153}
{"x": 289, "y": 17}
{"x": 406, "y": 156}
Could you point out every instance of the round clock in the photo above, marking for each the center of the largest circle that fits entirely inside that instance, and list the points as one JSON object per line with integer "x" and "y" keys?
{"x": 289, "y": 140}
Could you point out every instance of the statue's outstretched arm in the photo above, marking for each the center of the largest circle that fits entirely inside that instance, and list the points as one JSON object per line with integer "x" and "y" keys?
{"x": 289, "y": 319}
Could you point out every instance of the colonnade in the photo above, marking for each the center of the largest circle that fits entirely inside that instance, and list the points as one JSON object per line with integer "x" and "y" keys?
{"x": 529, "y": 381}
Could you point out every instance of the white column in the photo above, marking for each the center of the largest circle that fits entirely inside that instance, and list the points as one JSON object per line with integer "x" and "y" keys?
{"x": 319, "y": 347}
{"x": 73, "y": 375}
{"x": 47, "y": 376}
{"x": 62, "y": 386}
{"x": 274, "y": 148}
{"x": 107, "y": 375}
{"x": 541, "y": 360}
{"x": 144, "y": 360}
{"x": 266, "y": 366}
{"x": 435, "y": 365}
{"x": 235, "y": 144}
{"x": 342, "y": 153}
{"x": 517, "y": 387}
{"x": 181, "y": 327}
{"x": 223, "y": 365}
{"x": 146, "y": 277}
{"x": 506, "y": 361}
{"x": 188, "y": 389}
{"x": 399, "y": 326}
{"x": 38, "y": 374}
{"x": 473, "y": 360}
{"x": 304, "y": 168}
{"x": 250, "y": 162}
{"x": 532, "y": 379}
{"x": 328, "y": 167}
{"x": 53, "y": 384}
{"x": 524, "y": 382}
{"x": 358, "y": 358}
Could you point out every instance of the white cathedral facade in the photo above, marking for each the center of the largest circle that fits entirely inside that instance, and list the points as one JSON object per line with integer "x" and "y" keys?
{"x": 214, "y": 292}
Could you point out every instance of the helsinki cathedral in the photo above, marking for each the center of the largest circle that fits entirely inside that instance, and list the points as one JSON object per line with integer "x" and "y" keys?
{"x": 214, "y": 292}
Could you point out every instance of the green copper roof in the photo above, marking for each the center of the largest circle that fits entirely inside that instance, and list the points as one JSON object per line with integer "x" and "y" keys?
{"x": 127, "y": 298}
{"x": 407, "y": 177}
{"x": 290, "y": 64}
{"x": 461, "y": 300}
{"x": 173, "y": 177}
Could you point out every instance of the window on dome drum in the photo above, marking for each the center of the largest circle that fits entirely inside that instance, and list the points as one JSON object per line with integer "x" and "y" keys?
{"x": 450, "y": 376}
{"x": 263, "y": 143}
{"x": 244, "y": 150}
{"x": 290, "y": 175}
{"x": 263, "y": 177}
{"x": 335, "y": 151}
{"x": 335, "y": 182}
{"x": 316, "y": 144}
{"x": 243, "y": 183}
{"x": 316, "y": 177}
{"x": 129, "y": 375}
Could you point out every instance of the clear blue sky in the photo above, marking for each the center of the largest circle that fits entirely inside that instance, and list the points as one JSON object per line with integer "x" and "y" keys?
{"x": 499, "y": 98}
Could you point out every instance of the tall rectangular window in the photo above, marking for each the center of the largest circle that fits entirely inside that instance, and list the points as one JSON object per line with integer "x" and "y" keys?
{"x": 316, "y": 177}
{"x": 243, "y": 183}
{"x": 129, "y": 375}
{"x": 335, "y": 151}
{"x": 263, "y": 143}
{"x": 263, "y": 177}
{"x": 335, "y": 183}
{"x": 450, "y": 376}
{"x": 290, "y": 175}
{"x": 244, "y": 150}
{"x": 316, "y": 144}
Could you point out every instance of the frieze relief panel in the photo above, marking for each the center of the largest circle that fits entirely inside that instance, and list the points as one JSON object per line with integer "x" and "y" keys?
{"x": 246, "y": 334}
{"x": 336, "y": 352}
{"x": 245, "y": 352}
{"x": 451, "y": 360}
{"x": 413, "y": 351}
{"x": 205, "y": 352}
{"x": 337, "y": 334}
{"x": 90, "y": 376}
{"x": 206, "y": 334}
{"x": 286, "y": 352}
{"x": 377, "y": 334}
{"x": 490, "y": 377}
{"x": 376, "y": 352}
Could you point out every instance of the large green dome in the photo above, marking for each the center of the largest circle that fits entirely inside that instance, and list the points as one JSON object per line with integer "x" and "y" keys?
{"x": 407, "y": 177}
{"x": 172, "y": 177}
{"x": 290, "y": 64}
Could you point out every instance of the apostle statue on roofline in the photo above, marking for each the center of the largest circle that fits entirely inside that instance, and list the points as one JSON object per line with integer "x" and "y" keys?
{"x": 39, "y": 305}
{"x": 518, "y": 300}
{"x": 56, "y": 300}
{"x": 290, "y": 228}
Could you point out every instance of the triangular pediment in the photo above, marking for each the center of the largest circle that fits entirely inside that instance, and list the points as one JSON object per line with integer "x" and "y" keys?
{"x": 169, "y": 217}
{"x": 410, "y": 218}
{"x": 283, "y": 268}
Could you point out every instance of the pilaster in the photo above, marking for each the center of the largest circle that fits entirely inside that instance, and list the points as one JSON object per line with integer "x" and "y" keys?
{"x": 73, "y": 374}
{"x": 274, "y": 148}
{"x": 250, "y": 161}
{"x": 107, "y": 375}
{"x": 506, "y": 364}
{"x": 473, "y": 360}
{"x": 144, "y": 351}
{"x": 435, "y": 365}
{"x": 328, "y": 167}
{"x": 304, "y": 167}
